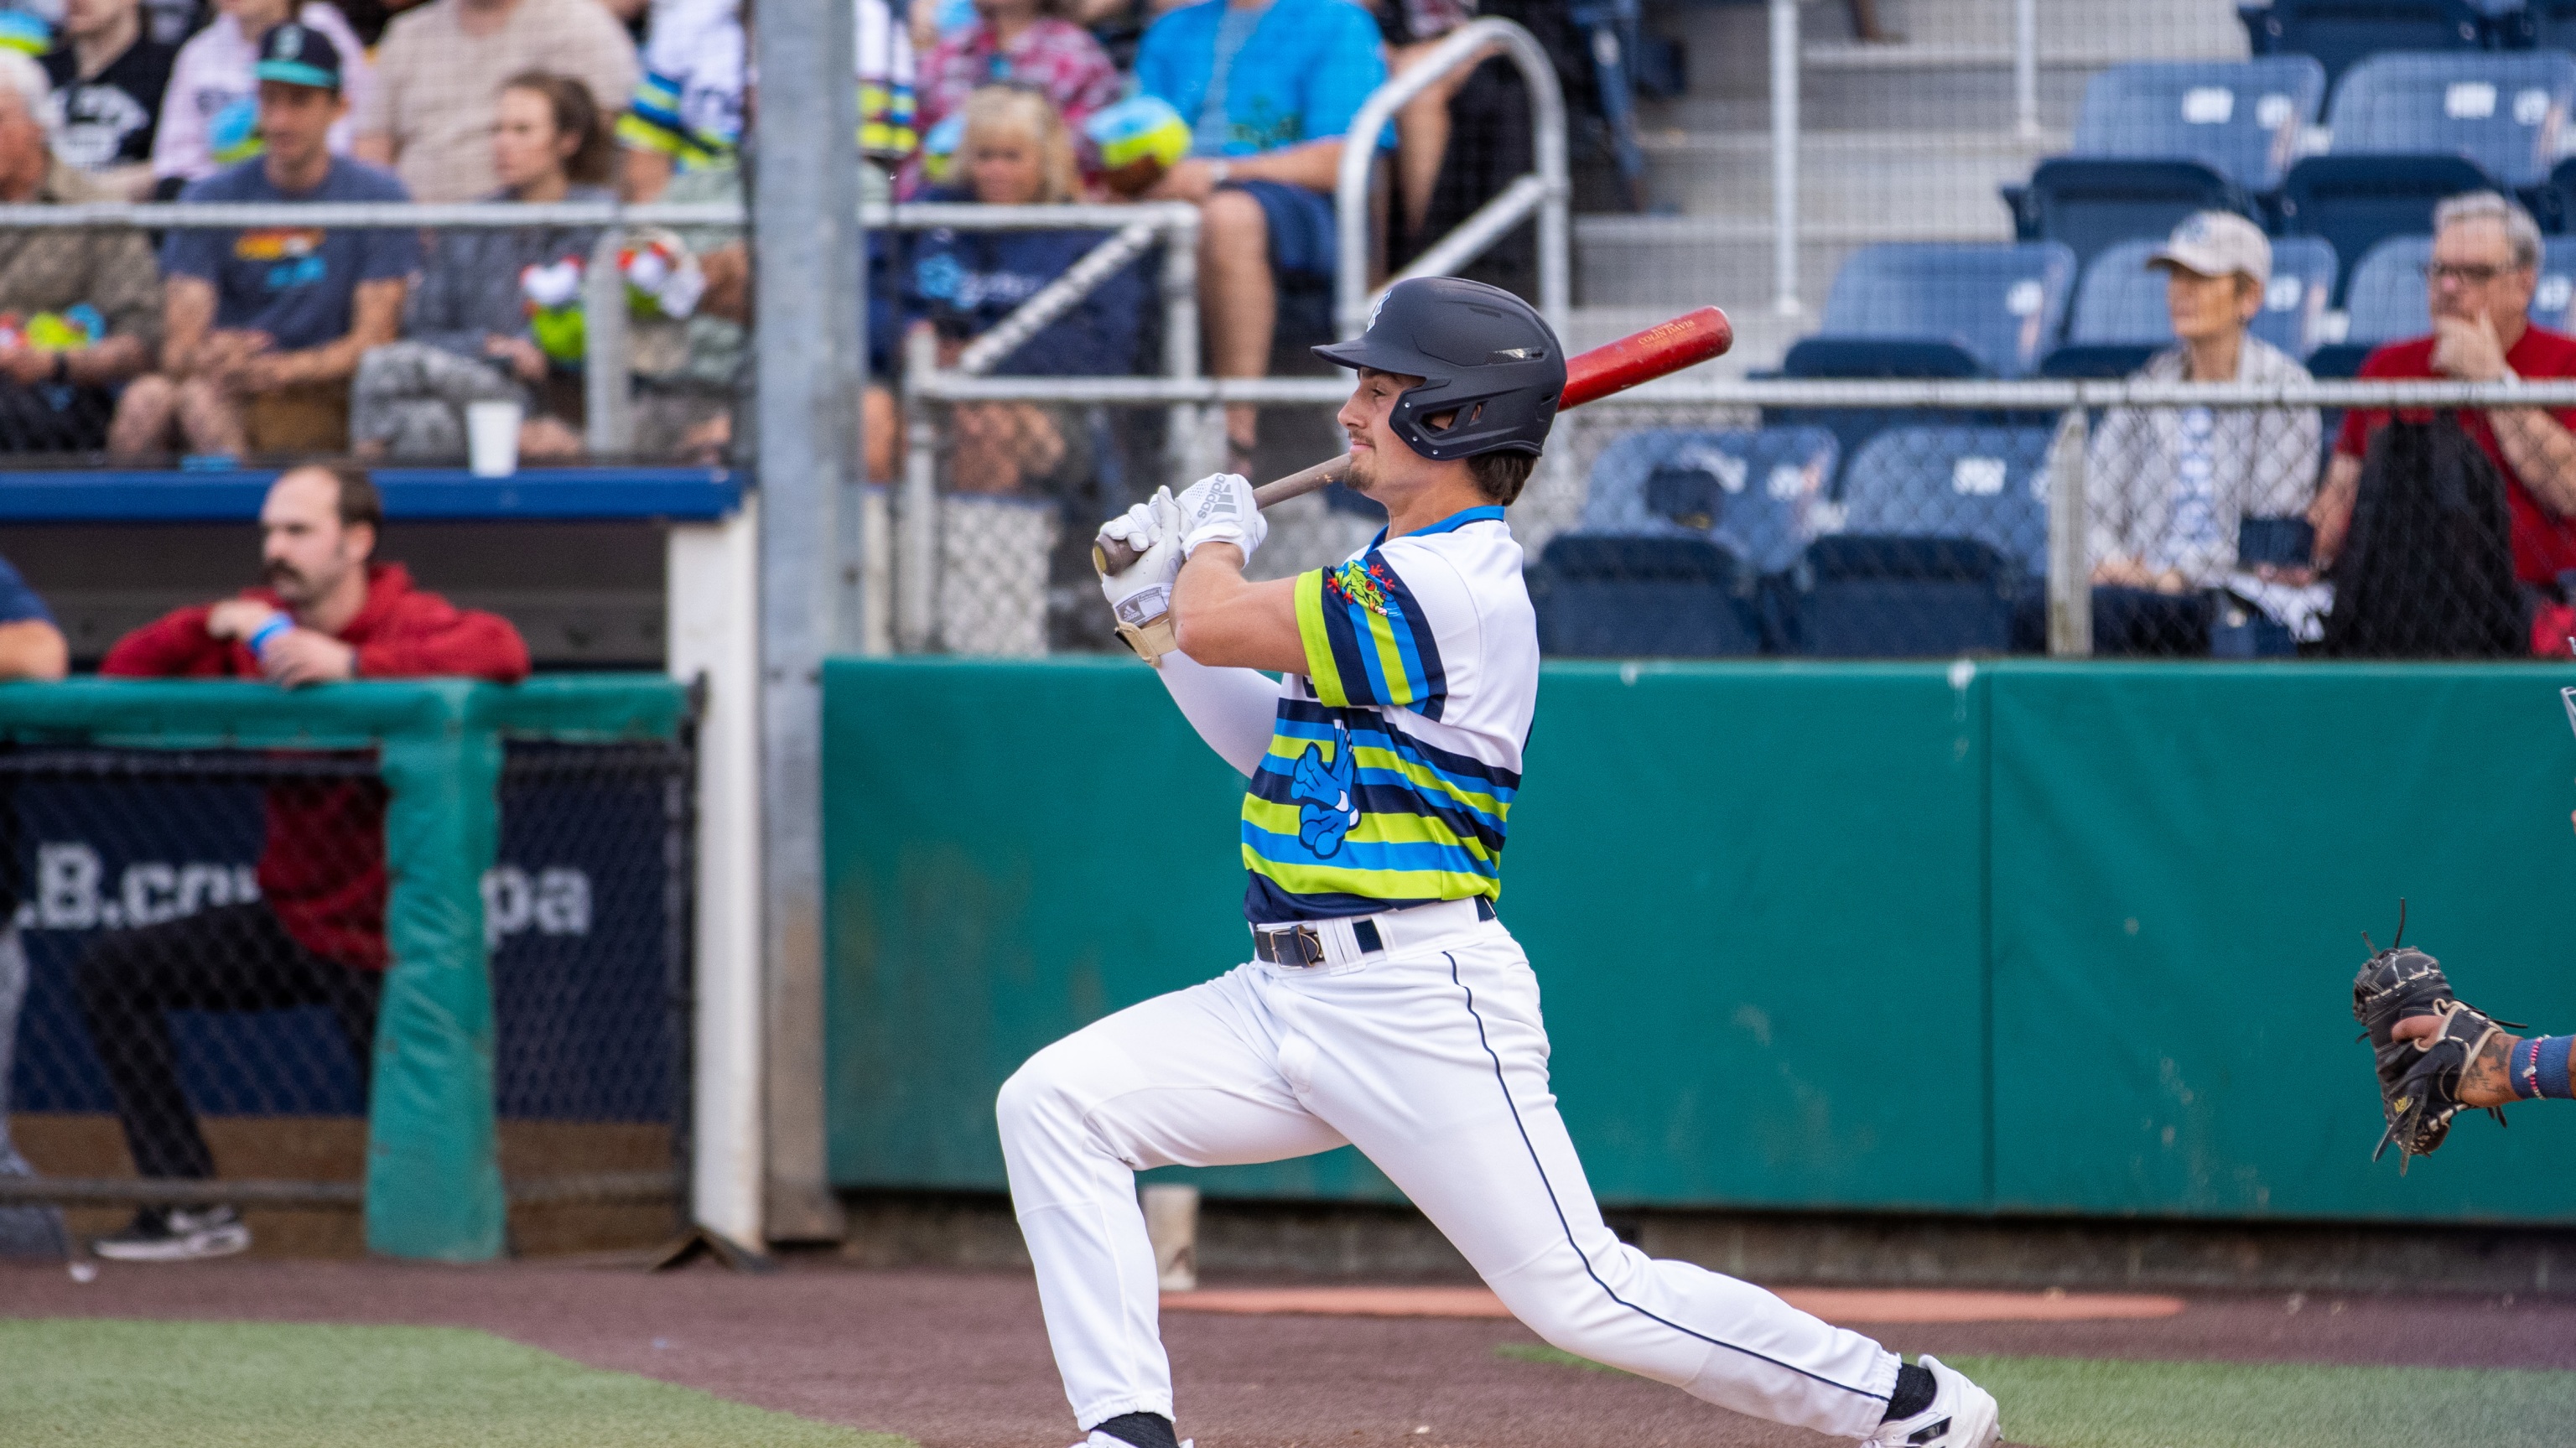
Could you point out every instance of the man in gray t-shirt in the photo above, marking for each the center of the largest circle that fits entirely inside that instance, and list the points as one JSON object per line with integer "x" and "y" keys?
{"x": 264, "y": 326}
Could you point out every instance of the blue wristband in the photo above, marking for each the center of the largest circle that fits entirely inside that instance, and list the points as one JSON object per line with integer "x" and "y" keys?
{"x": 2550, "y": 1060}
{"x": 277, "y": 623}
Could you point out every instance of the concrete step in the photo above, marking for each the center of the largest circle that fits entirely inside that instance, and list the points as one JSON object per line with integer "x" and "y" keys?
{"x": 1939, "y": 184}
{"x": 2121, "y": 29}
{"x": 1673, "y": 263}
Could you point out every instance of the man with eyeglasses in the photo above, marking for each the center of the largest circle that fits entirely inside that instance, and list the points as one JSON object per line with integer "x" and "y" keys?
{"x": 2486, "y": 260}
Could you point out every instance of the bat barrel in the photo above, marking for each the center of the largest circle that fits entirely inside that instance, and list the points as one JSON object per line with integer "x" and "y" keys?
{"x": 1666, "y": 347}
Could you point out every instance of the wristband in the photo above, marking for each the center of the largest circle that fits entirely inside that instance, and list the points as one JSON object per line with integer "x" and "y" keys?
{"x": 275, "y": 624}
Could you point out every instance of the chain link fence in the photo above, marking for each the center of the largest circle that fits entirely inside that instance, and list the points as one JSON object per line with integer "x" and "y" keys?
{"x": 204, "y": 940}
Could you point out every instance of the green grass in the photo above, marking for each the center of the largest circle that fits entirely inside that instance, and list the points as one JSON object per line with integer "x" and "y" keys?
{"x": 2087, "y": 1403}
{"x": 75, "y": 1383}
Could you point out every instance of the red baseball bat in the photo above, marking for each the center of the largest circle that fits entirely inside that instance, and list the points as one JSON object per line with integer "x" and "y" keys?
{"x": 1666, "y": 347}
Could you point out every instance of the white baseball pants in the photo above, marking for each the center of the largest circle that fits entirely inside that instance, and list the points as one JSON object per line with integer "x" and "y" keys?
{"x": 1430, "y": 1057}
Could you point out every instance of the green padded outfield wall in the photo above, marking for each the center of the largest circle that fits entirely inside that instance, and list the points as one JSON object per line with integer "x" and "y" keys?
{"x": 2012, "y": 936}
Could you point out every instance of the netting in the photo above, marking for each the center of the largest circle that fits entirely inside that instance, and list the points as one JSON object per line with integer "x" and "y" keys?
{"x": 204, "y": 937}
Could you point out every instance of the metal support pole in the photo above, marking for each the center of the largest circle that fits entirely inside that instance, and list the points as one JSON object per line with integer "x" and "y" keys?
{"x": 916, "y": 510}
{"x": 1184, "y": 438}
{"x": 2026, "y": 68}
{"x": 1784, "y": 157}
{"x": 808, "y": 332}
{"x": 2070, "y": 568}
{"x": 607, "y": 391}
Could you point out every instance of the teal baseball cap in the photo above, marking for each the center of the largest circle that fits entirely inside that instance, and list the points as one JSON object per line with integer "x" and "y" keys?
{"x": 294, "y": 54}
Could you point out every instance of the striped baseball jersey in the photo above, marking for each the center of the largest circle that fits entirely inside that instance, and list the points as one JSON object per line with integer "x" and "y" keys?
{"x": 1394, "y": 758}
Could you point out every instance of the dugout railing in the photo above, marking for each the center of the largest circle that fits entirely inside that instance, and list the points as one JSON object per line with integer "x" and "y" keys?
{"x": 537, "y": 864}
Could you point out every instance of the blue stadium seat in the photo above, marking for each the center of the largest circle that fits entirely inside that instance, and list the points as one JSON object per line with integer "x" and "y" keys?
{"x": 2242, "y": 119}
{"x": 2383, "y": 301}
{"x": 1749, "y": 491}
{"x": 2120, "y": 302}
{"x": 1944, "y": 531}
{"x": 2501, "y": 111}
{"x": 2005, "y": 303}
{"x": 2353, "y": 203}
{"x": 2410, "y": 129}
{"x": 2553, "y": 299}
{"x": 2078, "y": 360}
{"x": 2092, "y": 204}
{"x": 2541, "y": 24}
{"x": 1631, "y": 597}
{"x": 1912, "y": 358}
{"x": 2340, "y": 33}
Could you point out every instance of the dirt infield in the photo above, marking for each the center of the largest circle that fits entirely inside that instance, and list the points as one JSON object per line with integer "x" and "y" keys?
{"x": 958, "y": 1360}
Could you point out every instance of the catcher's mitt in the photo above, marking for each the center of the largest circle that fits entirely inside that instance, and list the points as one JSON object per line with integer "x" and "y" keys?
{"x": 2419, "y": 1081}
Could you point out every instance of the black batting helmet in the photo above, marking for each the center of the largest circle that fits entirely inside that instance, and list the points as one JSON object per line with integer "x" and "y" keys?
{"x": 1481, "y": 353}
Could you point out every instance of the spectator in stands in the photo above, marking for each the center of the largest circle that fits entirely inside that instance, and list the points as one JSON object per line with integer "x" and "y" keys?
{"x": 2169, "y": 487}
{"x": 439, "y": 76}
{"x": 316, "y": 934}
{"x": 687, "y": 109}
{"x": 2485, "y": 263}
{"x": 1270, "y": 86}
{"x": 1411, "y": 28}
{"x": 80, "y": 311}
{"x": 470, "y": 325}
{"x": 264, "y": 327}
{"x": 1016, "y": 151}
{"x": 1028, "y": 41}
{"x": 210, "y": 114}
{"x": 30, "y": 648}
{"x": 108, "y": 79}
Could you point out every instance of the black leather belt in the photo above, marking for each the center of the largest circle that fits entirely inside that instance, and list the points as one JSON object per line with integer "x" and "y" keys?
{"x": 1303, "y": 945}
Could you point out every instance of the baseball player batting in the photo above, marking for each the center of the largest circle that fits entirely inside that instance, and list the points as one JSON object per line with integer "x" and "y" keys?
{"x": 1385, "y": 1005}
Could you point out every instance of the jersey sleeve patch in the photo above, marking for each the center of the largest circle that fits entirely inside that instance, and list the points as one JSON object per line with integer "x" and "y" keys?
{"x": 1369, "y": 639}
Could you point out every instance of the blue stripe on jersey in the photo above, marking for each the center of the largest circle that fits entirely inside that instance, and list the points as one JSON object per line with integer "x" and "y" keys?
{"x": 1371, "y": 855}
{"x": 1302, "y": 719}
{"x": 1385, "y": 792}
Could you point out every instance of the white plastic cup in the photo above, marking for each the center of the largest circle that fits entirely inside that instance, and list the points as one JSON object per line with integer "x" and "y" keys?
{"x": 492, "y": 438}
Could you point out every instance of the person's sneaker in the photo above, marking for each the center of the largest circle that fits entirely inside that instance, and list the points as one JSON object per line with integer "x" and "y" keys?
{"x": 1962, "y": 1415}
{"x": 176, "y": 1234}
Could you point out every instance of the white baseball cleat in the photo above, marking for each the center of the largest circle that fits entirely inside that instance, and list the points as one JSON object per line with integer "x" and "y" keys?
{"x": 1098, "y": 1439}
{"x": 1962, "y": 1415}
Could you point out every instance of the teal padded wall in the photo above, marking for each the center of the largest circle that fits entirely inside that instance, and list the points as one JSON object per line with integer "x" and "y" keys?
{"x": 2185, "y": 859}
{"x": 2013, "y": 937}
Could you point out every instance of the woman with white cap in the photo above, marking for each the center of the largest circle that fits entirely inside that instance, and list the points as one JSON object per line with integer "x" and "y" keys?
{"x": 2168, "y": 487}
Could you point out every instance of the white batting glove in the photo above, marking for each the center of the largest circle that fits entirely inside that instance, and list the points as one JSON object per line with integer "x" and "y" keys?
{"x": 1141, "y": 594}
{"x": 1221, "y": 509}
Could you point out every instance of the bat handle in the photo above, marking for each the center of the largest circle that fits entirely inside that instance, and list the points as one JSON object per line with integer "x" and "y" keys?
{"x": 1112, "y": 556}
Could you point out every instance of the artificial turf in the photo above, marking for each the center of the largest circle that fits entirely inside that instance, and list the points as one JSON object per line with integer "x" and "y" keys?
{"x": 91, "y": 1383}
{"x": 2052, "y": 1402}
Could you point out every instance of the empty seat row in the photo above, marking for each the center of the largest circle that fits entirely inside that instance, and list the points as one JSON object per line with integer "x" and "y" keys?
{"x": 2341, "y": 33}
{"x": 2155, "y": 142}
{"x": 1715, "y": 543}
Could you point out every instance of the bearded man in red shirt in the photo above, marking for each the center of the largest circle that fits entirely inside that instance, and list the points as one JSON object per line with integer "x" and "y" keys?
{"x": 316, "y": 935}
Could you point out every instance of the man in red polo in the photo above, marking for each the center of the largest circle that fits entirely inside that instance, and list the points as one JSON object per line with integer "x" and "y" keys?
{"x": 316, "y": 934}
{"x": 2486, "y": 260}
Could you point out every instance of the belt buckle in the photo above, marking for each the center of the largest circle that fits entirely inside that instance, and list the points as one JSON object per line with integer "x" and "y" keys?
{"x": 1309, "y": 946}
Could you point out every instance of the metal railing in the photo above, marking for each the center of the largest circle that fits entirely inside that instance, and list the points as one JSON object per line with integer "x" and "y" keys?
{"x": 609, "y": 429}
{"x": 1542, "y": 191}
